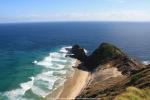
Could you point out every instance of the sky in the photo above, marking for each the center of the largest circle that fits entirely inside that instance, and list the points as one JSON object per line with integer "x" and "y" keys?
{"x": 74, "y": 10}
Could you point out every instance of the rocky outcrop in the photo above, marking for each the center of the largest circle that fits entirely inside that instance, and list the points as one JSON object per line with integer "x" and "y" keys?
{"x": 112, "y": 72}
{"x": 78, "y": 53}
{"x": 105, "y": 52}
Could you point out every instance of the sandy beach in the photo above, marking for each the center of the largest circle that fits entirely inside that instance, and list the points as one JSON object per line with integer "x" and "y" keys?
{"x": 73, "y": 85}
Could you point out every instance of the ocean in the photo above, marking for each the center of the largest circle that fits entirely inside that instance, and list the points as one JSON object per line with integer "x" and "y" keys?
{"x": 33, "y": 60}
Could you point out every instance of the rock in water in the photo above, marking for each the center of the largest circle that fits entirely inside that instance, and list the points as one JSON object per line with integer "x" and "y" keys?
{"x": 78, "y": 53}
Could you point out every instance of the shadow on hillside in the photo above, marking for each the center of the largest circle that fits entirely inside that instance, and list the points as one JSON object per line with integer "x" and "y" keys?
{"x": 82, "y": 67}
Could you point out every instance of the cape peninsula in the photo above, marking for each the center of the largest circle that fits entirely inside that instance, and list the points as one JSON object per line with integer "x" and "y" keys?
{"x": 107, "y": 74}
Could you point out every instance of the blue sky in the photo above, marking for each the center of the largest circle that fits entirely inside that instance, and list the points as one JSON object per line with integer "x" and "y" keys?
{"x": 74, "y": 10}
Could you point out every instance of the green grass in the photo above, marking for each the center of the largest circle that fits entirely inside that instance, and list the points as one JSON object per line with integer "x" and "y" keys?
{"x": 133, "y": 93}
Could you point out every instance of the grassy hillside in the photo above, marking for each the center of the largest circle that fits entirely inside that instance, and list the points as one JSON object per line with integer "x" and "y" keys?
{"x": 133, "y": 93}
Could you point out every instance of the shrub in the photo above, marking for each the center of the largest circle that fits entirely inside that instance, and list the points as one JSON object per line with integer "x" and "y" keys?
{"x": 133, "y": 93}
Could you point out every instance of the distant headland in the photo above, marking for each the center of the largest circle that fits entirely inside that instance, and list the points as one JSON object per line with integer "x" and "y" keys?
{"x": 107, "y": 74}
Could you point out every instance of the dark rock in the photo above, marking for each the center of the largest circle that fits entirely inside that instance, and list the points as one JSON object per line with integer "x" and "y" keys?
{"x": 78, "y": 53}
{"x": 104, "y": 53}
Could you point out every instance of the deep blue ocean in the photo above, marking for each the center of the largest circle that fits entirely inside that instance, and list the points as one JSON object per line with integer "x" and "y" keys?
{"x": 32, "y": 55}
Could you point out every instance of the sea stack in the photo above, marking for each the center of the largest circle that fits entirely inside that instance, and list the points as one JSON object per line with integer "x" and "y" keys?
{"x": 78, "y": 53}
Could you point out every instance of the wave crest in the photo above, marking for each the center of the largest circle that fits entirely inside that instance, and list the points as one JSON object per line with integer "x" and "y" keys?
{"x": 146, "y": 62}
{"x": 55, "y": 65}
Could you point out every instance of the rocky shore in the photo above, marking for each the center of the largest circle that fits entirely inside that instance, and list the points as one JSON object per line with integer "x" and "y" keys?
{"x": 107, "y": 74}
{"x": 112, "y": 72}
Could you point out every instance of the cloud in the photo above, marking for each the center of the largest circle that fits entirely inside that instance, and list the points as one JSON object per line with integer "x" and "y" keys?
{"x": 132, "y": 15}
{"x": 119, "y": 1}
{"x": 109, "y": 16}
{"x": 122, "y": 1}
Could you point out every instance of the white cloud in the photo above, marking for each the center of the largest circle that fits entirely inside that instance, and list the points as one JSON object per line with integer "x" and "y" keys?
{"x": 122, "y": 1}
{"x": 119, "y": 1}
{"x": 109, "y": 16}
{"x": 132, "y": 15}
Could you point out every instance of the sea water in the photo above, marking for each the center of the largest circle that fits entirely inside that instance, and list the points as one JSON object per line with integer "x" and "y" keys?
{"x": 54, "y": 68}
{"x": 33, "y": 60}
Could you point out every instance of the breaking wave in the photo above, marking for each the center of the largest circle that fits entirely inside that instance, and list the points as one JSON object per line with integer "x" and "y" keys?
{"x": 55, "y": 67}
{"x": 146, "y": 62}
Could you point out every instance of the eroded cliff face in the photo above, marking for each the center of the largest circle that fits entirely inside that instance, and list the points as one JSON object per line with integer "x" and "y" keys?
{"x": 110, "y": 87}
{"x": 112, "y": 72}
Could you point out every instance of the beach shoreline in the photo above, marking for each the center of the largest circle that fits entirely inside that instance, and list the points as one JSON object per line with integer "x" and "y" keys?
{"x": 73, "y": 86}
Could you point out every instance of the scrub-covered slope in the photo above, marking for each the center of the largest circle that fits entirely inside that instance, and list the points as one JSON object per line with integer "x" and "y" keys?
{"x": 112, "y": 72}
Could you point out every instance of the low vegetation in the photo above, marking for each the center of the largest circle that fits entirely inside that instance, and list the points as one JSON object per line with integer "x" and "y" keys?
{"x": 120, "y": 87}
{"x": 133, "y": 93}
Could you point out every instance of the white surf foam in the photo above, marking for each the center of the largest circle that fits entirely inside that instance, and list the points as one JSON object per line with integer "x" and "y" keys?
{"x": 38, "y": 91}
{"x": 35, "y": 62}
{"x": 18, "y": 93}
{"x": 146, "y": 62}
{"x": 65, "y": 49}
{"x": 51, "y": 76}
{"x": 46, "y": 62}
{"x": 85, "y": 51}
{"x": 26, "y": 86}
{"x": 58, "y": 57}
{"x": 55, "y": 62}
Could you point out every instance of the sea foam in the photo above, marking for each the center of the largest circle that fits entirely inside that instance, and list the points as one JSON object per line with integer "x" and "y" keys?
{"x": 146, "y": 62}
{"x": 55, "y": 67}
{"x": 17, "y": 94}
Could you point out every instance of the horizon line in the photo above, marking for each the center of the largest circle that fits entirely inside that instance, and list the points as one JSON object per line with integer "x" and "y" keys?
{"x": 72, "y": 21}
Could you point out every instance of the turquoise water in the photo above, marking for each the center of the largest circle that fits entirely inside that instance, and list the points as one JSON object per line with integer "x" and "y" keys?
{"x": 32, "y": 55}
{"x": 42, "y": 76}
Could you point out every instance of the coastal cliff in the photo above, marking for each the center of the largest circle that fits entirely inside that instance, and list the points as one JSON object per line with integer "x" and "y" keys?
{"x": 112, "y": 73}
